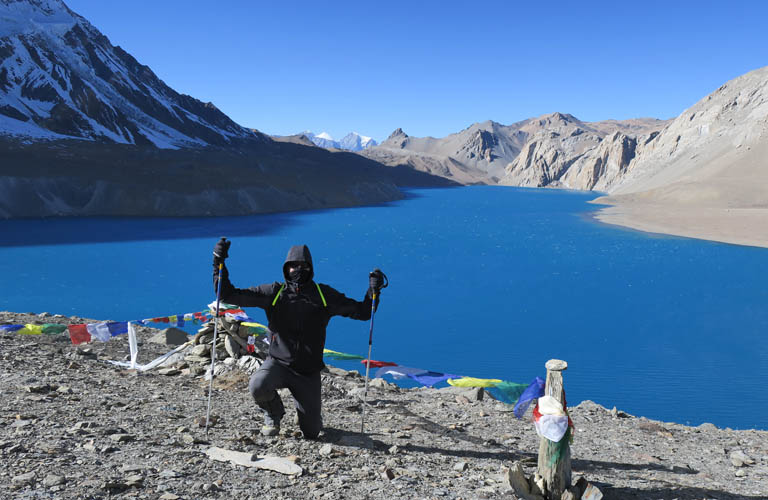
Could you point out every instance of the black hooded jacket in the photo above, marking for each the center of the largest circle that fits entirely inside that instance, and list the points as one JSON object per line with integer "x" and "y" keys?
{"x": 297, "y": 317}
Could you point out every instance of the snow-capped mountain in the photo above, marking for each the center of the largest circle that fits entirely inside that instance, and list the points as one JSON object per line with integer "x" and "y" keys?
{"x": 351, "y": 142}
{"x": 356, "y": 142}
{"x": 61, "y": 78}
{"x": 323, "y": 139}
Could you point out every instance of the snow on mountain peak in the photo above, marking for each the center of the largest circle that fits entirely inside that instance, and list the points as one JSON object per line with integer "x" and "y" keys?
{"x": 356, "y": 142}
{"x": 363, "y": 138}
{"x": 59, "y": 76}
{"x": 31, "y": 16}
{"x": 352, "y": 141}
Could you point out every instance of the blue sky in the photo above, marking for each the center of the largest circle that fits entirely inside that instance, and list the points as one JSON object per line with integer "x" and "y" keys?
{"x": 434, "y": 68}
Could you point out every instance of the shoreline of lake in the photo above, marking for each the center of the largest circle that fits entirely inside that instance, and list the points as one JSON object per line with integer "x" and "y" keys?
{"x": 735, "y": 226}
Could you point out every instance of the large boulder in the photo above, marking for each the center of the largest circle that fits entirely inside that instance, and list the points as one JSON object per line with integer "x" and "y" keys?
{"x": 170, "y": 336}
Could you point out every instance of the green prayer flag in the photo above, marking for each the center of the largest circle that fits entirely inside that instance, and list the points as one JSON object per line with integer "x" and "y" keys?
{"x": 507, "y": 392}
{"x": 53, "y": 329}
{"x": 559, "y": 447}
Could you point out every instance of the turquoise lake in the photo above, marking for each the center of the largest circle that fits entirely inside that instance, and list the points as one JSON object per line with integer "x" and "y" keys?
{"x": 485, "y": 281}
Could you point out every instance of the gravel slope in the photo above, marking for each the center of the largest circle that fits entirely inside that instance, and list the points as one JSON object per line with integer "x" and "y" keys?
{"x": 73, "y": 426}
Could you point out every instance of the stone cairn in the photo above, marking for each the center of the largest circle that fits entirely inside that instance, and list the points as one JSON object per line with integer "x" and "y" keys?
{"x": 231, "y": 349}
{"x": 552, "y": 479}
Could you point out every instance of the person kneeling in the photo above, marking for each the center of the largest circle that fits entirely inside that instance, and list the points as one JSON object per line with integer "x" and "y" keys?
{"x": 298, "y": 311}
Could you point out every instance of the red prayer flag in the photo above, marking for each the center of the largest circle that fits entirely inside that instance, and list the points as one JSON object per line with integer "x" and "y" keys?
{"x": 222, "y": 312}
{"x": 79, "y": 334}
{"x": 377, "y": 364}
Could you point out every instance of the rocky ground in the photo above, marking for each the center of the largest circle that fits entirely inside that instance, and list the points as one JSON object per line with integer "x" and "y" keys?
{"x": 74, "y": 426}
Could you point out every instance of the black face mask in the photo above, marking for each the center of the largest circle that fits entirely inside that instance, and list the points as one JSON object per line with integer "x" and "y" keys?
{"x": 299, "y": 275}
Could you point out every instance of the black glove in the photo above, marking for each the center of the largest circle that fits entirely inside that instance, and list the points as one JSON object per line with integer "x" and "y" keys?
{"x": 221, "y": 250}
{"x": 376, "y": 281}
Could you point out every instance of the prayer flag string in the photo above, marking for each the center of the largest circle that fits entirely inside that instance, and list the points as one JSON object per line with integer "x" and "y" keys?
{"x": 554, "y": 427}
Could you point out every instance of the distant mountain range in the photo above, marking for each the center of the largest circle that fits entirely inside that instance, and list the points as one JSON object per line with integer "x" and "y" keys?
{"x": 351, "y": 142}
{"x": 85, "y": 129}
{"x": 713, "y": 154}
{"x": 555, "y": 150}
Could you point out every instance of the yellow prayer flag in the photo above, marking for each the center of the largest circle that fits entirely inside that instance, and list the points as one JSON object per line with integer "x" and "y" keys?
{"x": 473, "y": 382}
{"x": 254, "y": 325}
{"x": 30, "y": 329}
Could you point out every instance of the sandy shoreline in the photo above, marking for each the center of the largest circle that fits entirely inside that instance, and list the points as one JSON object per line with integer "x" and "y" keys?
{"x": 737, "y": 226}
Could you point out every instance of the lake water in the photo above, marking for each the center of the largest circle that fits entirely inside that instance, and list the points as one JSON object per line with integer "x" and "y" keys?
{"x": 485, "y": 282}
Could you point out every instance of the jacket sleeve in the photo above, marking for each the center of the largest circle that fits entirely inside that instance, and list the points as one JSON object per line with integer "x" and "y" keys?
{"x": 258, "y": 296}
{"x": 341, "y": 305}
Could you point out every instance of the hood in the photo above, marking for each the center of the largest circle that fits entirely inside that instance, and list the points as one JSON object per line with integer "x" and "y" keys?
{"x": 299, "y": 253}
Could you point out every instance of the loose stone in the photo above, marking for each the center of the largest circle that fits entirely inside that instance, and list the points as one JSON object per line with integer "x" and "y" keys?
{"x": 23, "y": 478}
{"x": 460, "y": 466}
{"x": 121, "y": 438}
{"x": 53, "y": 480}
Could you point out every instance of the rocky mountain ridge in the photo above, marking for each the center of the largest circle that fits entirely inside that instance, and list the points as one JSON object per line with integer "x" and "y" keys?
{"x": 554, "y": 150}
{"x": 716, "y": 144}
{"x": 706, "y": 173}
{"x": 562, "y": 151}
{"x": 713, "y": 153}
{"x": 70, "y": 178}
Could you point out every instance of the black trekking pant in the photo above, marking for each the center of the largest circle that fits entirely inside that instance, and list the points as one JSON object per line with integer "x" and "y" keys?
{"x": 305, "y": 390}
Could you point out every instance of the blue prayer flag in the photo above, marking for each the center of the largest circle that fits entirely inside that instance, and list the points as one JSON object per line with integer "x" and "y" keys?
{"x": 117, "y": 328}
{"x": 431, "y": 378}
{"x": 398, "y": 371}
{"x": 534, "y": 391}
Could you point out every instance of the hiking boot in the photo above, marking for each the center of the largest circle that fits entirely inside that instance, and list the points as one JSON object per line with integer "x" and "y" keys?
{"x": 270, "y": 430}
{"x": 271, "y": 426}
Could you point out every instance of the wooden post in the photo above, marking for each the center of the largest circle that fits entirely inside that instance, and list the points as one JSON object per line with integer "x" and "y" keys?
{"x": 556, "y": 470}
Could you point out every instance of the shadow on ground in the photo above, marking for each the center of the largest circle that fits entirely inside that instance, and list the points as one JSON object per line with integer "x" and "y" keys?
{"x": 660, "y": 489}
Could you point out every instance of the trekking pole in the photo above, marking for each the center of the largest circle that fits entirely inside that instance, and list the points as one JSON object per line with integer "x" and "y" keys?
{"x": 374, "y": 301}
{"x": 213, "y": 350}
